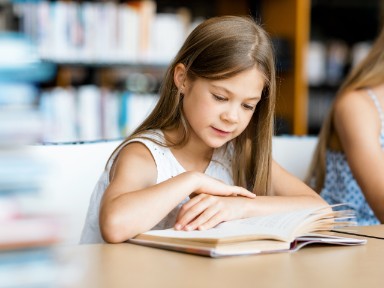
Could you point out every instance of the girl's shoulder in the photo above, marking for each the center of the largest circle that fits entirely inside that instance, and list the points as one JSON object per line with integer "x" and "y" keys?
{"x": 356, "y": 118}
{"x": 145, "y": 150}
{"x": 155, "y": 136}
{"x": 354, "y": 105}
{"x": 141, "y": 144}
{"x": 352, "y": 99}
{"x": 364, "y": 98}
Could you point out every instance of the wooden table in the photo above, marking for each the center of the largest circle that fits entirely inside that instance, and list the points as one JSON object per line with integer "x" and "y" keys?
{"x": 128, "y": 265}
{"x": 374, "y": 231}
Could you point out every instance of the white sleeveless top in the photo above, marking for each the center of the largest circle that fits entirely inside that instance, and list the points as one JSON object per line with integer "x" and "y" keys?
{"x": 167, "y": 165}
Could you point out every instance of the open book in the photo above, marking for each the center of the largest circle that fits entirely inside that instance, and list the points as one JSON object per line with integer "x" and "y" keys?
{"x": 263, "y": 234}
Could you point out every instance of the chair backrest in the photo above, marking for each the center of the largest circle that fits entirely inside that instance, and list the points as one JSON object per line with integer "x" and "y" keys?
{"x": 294, "y": 153}
{"x": 72, "y": 171}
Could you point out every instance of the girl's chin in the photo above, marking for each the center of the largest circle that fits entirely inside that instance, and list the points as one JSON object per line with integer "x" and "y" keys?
{"x": 216, "y": 144}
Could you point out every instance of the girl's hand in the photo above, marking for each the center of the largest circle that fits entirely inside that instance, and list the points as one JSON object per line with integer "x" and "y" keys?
{"x": 206, "y": 211}
{"x": 212, "y": 186}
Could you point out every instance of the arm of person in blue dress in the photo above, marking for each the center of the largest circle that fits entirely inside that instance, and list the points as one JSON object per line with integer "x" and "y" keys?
{"x": 358, "y": 126}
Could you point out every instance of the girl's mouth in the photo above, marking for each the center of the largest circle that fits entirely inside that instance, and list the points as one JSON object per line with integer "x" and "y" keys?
{"x": 220, "y": 132}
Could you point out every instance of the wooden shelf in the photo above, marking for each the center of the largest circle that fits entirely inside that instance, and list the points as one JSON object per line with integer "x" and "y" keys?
{"x": 292, "y": 90}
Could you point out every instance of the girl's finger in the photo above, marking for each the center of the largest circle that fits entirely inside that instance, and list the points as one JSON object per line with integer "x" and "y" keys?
{"x": 191, "y": 214}
{"x": 243, "y": 192}
{"x": 211, "y": 222}
{"x": 188, "y": 205}
{"x": 201, "y": 219}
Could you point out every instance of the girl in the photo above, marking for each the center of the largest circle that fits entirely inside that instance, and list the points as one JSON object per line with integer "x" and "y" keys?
{"x": 348, "y": 164}
{"x": 211, "y": 130}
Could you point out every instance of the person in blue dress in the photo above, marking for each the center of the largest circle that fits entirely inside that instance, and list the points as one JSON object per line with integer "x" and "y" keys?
{"x": 348, "y": 163}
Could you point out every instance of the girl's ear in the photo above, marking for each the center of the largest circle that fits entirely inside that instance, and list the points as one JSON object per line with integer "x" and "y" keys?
{"x": 179, "y": 76}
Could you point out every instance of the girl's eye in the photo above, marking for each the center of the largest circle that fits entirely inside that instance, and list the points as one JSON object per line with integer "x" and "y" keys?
{"x": 249, "y": 107}
{"x": 218, "y": 98}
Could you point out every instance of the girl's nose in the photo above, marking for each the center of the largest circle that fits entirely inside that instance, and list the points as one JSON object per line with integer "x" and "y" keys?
{"x": 231, "y": 114}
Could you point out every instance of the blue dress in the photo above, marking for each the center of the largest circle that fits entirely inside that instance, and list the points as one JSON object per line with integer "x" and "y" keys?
{"x": 341, "y": 187}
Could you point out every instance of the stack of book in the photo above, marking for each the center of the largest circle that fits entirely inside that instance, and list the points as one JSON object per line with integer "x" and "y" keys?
{"x": 28, "y": 234}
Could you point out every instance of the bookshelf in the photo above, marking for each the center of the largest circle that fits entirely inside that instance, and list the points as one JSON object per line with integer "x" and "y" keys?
{"x": 78, "y": 64}
{"x": 341, "y": 34}
{"x": 112, "y": 67}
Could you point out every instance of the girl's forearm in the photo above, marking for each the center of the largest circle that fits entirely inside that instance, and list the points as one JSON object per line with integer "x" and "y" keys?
{"x": 131, "y": 213}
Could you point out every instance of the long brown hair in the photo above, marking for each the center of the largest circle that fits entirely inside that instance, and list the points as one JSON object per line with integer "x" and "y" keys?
{"x": 219, "y": 48}
{"x": 368, "y": 73}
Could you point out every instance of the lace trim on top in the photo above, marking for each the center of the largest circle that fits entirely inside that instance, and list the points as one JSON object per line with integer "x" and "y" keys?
{"x": 381, "y": 114}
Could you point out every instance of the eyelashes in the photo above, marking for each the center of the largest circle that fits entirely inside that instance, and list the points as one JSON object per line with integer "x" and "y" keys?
{"x": 219, "y": 98}
{"x": 249, "y": 107}
{"x": 223, "y": 99}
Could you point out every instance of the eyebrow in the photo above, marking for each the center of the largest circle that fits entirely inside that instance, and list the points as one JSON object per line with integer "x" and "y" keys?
{"x": 231, "y": 93}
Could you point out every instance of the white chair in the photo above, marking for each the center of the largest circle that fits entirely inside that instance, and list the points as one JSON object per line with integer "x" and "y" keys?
{"x": 72, "y": 172}
{"x": 294, "y": 153}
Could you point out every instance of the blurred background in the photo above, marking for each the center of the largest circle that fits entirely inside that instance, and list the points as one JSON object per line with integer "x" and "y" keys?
{"x": 100, "y": 63}
{"x": 89, "y": 71}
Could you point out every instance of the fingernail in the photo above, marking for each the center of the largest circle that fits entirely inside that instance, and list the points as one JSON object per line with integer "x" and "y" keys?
{"x": 178, "y": 226}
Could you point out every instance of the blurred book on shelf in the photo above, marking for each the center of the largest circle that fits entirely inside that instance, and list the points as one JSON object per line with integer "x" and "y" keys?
{"x": 103, "y": 31}
{"x": 20, "y": 120}
{"x": 20, "y": 60}
{"x": 29, "y": 232}
{"x": 91, "y": 113}
{"x": 328, "y": 64}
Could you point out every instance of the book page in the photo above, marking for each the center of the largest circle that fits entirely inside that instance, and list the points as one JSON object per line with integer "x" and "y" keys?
{"x": 280, "y": 226}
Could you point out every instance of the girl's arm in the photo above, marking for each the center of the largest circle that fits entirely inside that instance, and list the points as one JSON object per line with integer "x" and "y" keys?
{"x": 357, "y": 124}
{"x": 133, "y": 203}
{"x": 288, "y": 193}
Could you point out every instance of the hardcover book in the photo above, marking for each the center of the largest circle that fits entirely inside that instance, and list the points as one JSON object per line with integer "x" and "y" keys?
{"x": 280, "y": 232}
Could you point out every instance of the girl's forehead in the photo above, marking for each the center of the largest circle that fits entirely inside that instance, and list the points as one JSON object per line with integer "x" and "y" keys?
{"x": 250, "y": 75}
{"x": 249, "y": 83}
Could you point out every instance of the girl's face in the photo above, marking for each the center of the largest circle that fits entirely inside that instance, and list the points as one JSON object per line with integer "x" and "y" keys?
{"x": 219, "y": 110}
